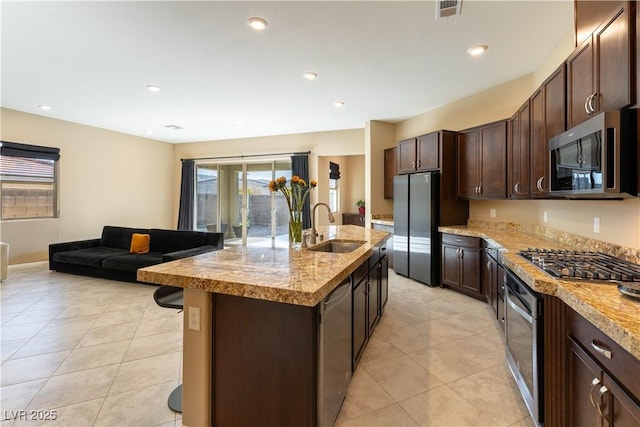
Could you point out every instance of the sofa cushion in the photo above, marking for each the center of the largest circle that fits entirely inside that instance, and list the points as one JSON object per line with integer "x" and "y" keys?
{"x": 132, "y": 262}
{"x": 119, "y": 237}
{"x": 89, "y": 256}
{"x": 171, "y": 240}
{"x": 139, "y": 243}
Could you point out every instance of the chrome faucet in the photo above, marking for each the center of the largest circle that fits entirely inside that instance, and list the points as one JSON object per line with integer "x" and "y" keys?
{"x": 313, "y": 234}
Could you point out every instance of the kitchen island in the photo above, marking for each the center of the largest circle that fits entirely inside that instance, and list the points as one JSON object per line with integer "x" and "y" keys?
{"x": 250, "y": 357}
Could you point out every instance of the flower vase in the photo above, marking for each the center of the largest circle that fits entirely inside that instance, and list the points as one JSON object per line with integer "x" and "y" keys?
{"x": 295, "y": 233}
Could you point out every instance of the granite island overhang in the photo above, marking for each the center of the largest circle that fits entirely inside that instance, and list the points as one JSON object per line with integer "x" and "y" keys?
{"x": 250, "y": 294}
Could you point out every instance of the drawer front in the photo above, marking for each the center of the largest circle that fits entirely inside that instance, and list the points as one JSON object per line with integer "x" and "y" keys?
{"x": 360, "y": 273}
{"x": 458, "y": 240}
{"x": 620, "y": 364}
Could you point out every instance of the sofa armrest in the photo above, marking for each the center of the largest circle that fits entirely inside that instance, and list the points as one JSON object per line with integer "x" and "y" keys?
{"x": 70, "y": 246}
{"x": 171, "y": 256}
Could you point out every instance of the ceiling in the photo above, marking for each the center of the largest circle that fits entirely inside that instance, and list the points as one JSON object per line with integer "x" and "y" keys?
{"x": 220, "y": 79}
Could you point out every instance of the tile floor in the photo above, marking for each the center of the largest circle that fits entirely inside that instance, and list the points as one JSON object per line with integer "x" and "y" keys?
{"x": 102, "y": 353}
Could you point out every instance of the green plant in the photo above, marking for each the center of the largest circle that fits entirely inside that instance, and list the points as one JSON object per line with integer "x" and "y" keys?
{"x": 360, "y": 203}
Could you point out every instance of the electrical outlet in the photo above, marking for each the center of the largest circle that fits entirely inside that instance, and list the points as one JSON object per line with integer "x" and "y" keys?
{"x": 545, "y": 216}
{"x": 194, "y": 318}
{"x": 492, "y": 213}
{"x": 596, "y": 224}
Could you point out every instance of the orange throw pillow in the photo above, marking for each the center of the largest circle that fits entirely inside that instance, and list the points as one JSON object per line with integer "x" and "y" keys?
{"x": 140, "y": 243}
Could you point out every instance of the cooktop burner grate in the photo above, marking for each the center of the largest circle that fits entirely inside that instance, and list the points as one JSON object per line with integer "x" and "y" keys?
{"x": 582, "y": 265}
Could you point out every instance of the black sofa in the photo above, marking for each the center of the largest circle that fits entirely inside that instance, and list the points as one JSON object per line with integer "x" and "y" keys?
{"x": 109, "y": 257}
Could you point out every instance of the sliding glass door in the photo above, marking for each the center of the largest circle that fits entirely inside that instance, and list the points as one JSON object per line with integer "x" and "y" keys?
{"x": 235, "y": 199}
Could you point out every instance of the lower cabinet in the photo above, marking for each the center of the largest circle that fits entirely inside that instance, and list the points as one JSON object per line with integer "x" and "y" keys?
{"x": 602, "y": 379}
{"x": 352, "y": 219}
{"x": 370, "y": 295}
{"x": 493, "y": 280}
{"x": 461, "y": 257}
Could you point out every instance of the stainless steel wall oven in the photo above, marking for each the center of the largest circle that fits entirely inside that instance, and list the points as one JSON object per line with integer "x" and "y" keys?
{"x": 524, "y": 339}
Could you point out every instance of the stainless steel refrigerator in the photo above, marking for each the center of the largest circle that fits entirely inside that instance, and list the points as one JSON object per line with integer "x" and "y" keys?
{"x": 416, "y": 241}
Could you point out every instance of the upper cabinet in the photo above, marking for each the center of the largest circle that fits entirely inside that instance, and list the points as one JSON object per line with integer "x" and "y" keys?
{"x": 389, "y": 171}
{"x": 599, "y": 71}
{"x": 519, "y": 144}
{"x": 482, "y": 162}
{"x": 548, "y": 119}
{"x": 418, "y": 154}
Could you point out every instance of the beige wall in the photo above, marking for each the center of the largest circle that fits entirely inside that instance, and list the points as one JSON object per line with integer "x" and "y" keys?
{"x": 378, "y": 136}
{"x": 105, "y": 178}
{"x": 350, "y": 185}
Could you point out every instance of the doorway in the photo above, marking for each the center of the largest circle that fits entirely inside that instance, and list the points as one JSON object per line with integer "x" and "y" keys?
{"x": 234, "y": 198}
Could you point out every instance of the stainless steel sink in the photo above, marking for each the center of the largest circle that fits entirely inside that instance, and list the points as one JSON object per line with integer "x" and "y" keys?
{"x": 337, "y": 246}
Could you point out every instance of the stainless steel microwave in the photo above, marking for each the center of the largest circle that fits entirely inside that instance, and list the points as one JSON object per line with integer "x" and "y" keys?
{"x": 598, "y": 158}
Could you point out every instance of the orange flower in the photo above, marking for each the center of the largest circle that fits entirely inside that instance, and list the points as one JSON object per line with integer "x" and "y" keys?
{"x": 272, "y": 186}
{"x": 314, "y": 183}
{"x": 295, "y": 179}
{"x": 281, "y": 180}
{"x": 302, "y": 182}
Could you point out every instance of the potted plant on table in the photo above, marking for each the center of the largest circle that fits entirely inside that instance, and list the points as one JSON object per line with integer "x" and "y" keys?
{"x": 360, "y": 205}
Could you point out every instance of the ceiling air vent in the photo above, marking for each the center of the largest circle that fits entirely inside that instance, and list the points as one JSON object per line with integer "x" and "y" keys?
{"x": 447, "y": 8}
{"x": 174, "y": 127}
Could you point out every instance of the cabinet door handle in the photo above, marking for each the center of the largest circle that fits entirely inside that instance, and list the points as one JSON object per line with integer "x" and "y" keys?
{"x": 601, "y": 349}
{"x": 418, "y": 163}
{"x": 588, "y": 107}
{"x": 591, "y": 98}
{"x": 603, "y": 390}
{"x": 480, "y": 189}
{"x": 516, "y": 188}
{"x": 594, "y": 383}
{"x": 489, "y": 265}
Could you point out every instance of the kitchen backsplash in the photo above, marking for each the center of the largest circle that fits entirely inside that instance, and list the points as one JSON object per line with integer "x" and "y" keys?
{"x": 629, "y": 254}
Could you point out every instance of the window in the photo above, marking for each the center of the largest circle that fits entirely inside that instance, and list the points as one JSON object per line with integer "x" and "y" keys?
{"x": 333, "y": 195}
{"x": 28, "y": 181}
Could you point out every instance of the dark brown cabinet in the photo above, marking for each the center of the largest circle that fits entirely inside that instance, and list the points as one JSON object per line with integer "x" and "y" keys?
{"x": 360, "y": 324}
{"x": 370, "y": 295}
{"x": 599, "y": 71}
{"x": 419, "y": 154}
{"x": 482, "y": 162}
{"x": 519, "y": 144}
{"x": 389, "y": 171}
{"x": 461, "y": 257}
{"x": 352, "y": 219}
{"x": 493, "y": 281}
{"x": 548, "y": 119}
{"x": 602, "y": 379}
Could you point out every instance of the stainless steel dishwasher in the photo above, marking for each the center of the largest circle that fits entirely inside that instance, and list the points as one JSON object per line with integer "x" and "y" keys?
{"x": 334, "y": 367}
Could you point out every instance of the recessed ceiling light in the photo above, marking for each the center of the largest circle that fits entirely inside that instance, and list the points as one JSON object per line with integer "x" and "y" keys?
{"x": 257, "y": 23}
{"x": 44, "y": 107}
{"x": 478, "y": 50}
{"x": 149, "y": 132}
{"x": 152, "y": 88}
{"x": 338, "y": 104}
{"x": 310, "y": 75}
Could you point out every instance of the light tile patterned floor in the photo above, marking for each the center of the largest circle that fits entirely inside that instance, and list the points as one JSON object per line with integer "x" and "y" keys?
{"x": 103, "y": 353}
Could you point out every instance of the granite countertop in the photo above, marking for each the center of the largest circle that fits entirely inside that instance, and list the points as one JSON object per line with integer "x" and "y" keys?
{"x": 283, "y": 275}
{"x": 382, "y": 219}
{"x": 599, "y": 302}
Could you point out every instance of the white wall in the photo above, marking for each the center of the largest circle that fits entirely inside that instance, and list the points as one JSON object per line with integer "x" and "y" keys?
{"x": 105, "y": 178}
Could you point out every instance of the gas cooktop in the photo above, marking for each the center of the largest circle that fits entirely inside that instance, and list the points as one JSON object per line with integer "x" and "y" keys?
{"x": 583, "y": 265}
